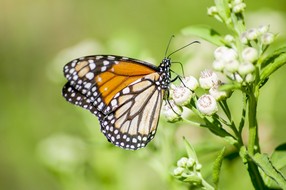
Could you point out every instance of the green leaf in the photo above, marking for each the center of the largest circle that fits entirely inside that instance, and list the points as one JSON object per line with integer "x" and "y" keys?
{"x": 278, "y": 157}
{"x": 190, "y": 150}
{"x": 205, "y": 33}
{"x": 272, "y": 63}
{"x": 281, "y": 147}
{"x": 268, "y": 168}
{"x": 270, "y": 58}
{"x": 217, "y": 167}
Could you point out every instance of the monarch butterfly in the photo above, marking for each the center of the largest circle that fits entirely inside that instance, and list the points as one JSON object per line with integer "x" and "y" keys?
{"x": 125, "y": 94}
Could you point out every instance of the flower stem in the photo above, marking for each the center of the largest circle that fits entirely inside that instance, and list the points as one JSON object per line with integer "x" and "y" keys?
{"x": 253, "y": 141}
{"x": 253, "y": 146}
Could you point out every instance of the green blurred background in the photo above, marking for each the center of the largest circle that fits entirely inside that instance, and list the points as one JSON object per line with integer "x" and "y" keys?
{"x": 46, "y": 143}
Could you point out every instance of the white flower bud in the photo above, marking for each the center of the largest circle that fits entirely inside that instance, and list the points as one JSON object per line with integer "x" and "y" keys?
{"x": 246, "y": 68}
{"x": 191, "y": 162}
{"x": 171, "y": 91}
{"x": 249, "y": 54}
{"x": 263, "y": 29}
{"x": 207, "y": 105}
{"x": 178, "y": 171}
{"x": 232, "y": 66}
{"x": 171, "y": 110}
{"x": 239, "y": 8}
{"x": 212, "y": 11}
{"x": 243, "y": 38}
{"x": 235, "y": 2}
{"x": 190, "y": 82}
{"x": 229, "y": 38}
{"x": 238, "y": 78}
{"x": 223, "y": 53}
{"x": 182, "y": 95}
{"x": 252, "y": 34}
{"x": 216, "y": 93}
{"x": 220, "y": 52}
{"x": 182, "y": 162}
{"x": 218, "y": 65}
{"x": 267, "y": 38}
{"x": 198, "y": 166}
{"x": 249, "y": 78}
{"x": 208, "y": 79}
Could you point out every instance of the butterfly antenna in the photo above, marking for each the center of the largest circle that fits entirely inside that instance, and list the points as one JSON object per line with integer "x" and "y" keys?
{"x": 169, "y": 44}
{"x": 182, "y": 47}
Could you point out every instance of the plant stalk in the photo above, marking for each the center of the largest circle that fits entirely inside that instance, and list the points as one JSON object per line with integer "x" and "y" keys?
{"x": 253, "y": 141}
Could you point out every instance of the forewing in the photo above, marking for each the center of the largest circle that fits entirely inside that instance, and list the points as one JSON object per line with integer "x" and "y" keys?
{"x": 121, "y": 92}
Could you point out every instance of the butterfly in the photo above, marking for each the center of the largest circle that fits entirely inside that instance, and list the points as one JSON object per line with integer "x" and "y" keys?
{"x": 125, "y": 94}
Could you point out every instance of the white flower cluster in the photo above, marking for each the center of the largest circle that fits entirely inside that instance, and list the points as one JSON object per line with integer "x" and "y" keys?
{"x": 236, "y": 6}
{"x": 189, "y": 169}
{"x": 181, "y": 96}
{"x": 236, "y": 67}
{"x": 207, "y": 103}
{"x": 259, "y": 35}
{"x": 240, "y": 65}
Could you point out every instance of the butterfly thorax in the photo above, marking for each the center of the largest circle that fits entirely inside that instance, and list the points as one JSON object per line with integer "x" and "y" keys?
{"x": 165, "y": 75}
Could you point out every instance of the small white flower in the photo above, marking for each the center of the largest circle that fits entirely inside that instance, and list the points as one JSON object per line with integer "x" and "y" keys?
{"x": 249, "y": 54}
{"x": 218, "y": 65}
{"x": 263, "y": 29}
{"x": 267, "y": 38}
{"x": 171, "y": 91}
{"x": 212, "y": 11}
{"x": 237, "y": 77}
{"x": 249, "y": 78}
{"x": 229, "y": 38}
{"x": 190, "y": 163}
{"x": 229, "y": 54}
{"x": 252, "y": 34}
{"x": 216, "y": 93}
{"x": 171, "y": 111}
{"x": 182, "y": 95}
{"x": 190, "y": 82}
{"x": 198, "y": 166}
{"x": 232, "y": 66}
{"x": 208, "y": 79}
{"x": 182, "y": 162}
{"x": 220, "y": 52}
{"x": 243, "y": 38}
{"x": 239, "y": 8}
{"x": 178, "y": 171}
{"x": 246, "y": 68}
{"x": 207, "y": 104}
{"x": 237, "y": 2}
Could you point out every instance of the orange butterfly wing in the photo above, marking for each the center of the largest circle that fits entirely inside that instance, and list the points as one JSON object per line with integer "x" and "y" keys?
{"x": 121, "y": 92}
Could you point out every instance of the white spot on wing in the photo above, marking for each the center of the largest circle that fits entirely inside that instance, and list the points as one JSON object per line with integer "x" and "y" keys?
{"x": 89, "y": 75}
{"x": 103, "y": 68}
{"x": 92, "y": 66}
{"x": 87, "y": 85}
{"x": 126, "y": 90}
{"x": 98, "y": 57}
{"x": 105, "y": 62}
